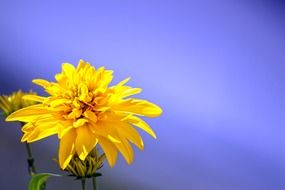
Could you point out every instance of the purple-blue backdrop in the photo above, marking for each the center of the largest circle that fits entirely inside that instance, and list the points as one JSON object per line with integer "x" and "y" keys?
{"x": 215, "y": 67}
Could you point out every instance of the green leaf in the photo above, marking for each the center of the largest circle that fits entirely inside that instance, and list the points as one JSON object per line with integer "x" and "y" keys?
{"x": 38, "y": 180}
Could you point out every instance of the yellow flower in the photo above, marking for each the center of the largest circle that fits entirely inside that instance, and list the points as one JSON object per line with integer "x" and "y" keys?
{"x": 14, "y": 102}
{"x": 83, "y": 110}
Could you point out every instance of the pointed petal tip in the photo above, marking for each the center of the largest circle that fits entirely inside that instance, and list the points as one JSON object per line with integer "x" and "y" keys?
{"x": 157, "y": 111}
{"x": 152, "y": 134}
{"x": 111, "y": 163}
{"x": 123, "y": 82}
{"x": 160, "y": 111}
{"x": 10, "y": 118}
{"x": 64, "y": 163}
{"x": 83, "y": 155}
{"x": 130, "y": 161}
{"x": 141, "y": 147}
{"x": 35, "y": 98}
{"x": 7, "y": 118}
{"x": 41, "y": 82}
{"x": 23, "y": 139}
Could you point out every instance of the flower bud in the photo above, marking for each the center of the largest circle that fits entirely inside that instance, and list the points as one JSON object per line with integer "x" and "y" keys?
{"x": 85, "y": 168}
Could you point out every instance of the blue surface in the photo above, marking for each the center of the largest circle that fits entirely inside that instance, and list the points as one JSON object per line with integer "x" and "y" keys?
{"x": 215, "y": 67}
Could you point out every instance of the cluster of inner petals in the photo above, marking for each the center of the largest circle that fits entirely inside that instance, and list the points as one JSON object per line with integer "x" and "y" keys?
{"x": 79, "y": 96}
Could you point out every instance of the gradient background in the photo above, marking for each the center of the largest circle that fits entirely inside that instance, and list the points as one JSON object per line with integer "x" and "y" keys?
{"x": 215, "y": 67}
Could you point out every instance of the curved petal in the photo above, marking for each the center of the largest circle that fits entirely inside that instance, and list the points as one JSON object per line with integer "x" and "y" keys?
{"x": 110, "y": 151}
{"x": 85, "y": 141}
{"x": 138, "y": 122}
{"x": 39, "y": 134}
{"x": 127, "y": 131}
{"x": 138, "y": 106}
{"x": 28, "y": 127}
{"x": 123, "y": 82}
{"x": 64, "y": 127}
{"x": 28, "y": 114}
{"x": 105, "y": 129}
{"x": 42, "y": 82}
{"x": 125, "y": 148}
{"x": 66, "y": 148}
{"x": 68, "y": 69}
{"x": 41, "y": 129}
{"x": 81, "y": 65}
{"x": 124, "y": 91}
{"x": 35, "y": 98}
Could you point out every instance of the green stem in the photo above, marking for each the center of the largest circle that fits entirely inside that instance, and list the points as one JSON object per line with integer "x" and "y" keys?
{"x": 95, "y": 186}
{"x": 83, "y": 184}
{"x": 31, "y": 166}
{"x": 32, "y": 169}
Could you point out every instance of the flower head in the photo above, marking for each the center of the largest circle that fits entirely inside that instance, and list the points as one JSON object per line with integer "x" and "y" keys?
{"x": 83, "y": 110}
{"x": 14, "y": 102}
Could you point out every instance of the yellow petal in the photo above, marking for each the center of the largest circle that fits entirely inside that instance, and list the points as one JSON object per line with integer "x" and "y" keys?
{"x": 60, "y": 78}
{"x": 76, "y": 113}
{"x": 123, "y": 82}
{"x": 34, "y": 98}
{"x": 64, "y": 127}
{"x": 127, "y": 131}
{"x": 123, "y": 92}
{"x": 42, "y": 82}
{"x": 56, "y": 90}
{"x": 66, "y": 148}
{"x": 68, "y": 68}
{"x": 113, "y": 139}
{"x": 83, "y": 93}
{"x": 25, "y": 137}
{"x": 107, "y": 130}
{"x": 79, "y": 123}
{"x": 85, "y": 141}
{"x": 28, "y": 113}
{"x": 130, "y": 92}
{"x": 39, "y": 134}
{"x": 28, "y": 127}
{"x": 110, "y": 151}
{"x": 140, "y": 107}
{"x": 40, "y": 129}
{"x": 90, "y": 115}
{"x": 62, "y": 130}
{"x": 138, "y": 122}
{"x": 57, "y": 102}
{"x": 125, "y": 148}
{"x": 41, "y": 122}
{"x": 81, "y": 64}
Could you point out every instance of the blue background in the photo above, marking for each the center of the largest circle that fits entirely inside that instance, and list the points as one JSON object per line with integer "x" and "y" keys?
{"x": 215, "y": 67}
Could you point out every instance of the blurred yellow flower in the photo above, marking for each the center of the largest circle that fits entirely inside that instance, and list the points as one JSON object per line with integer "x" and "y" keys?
{"x": 83, "y": 110}
{"x": 14, "y": 102}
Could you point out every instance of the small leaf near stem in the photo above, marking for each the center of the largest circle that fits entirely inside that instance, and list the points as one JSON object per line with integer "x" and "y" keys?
{"x": 38, "y": 180}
